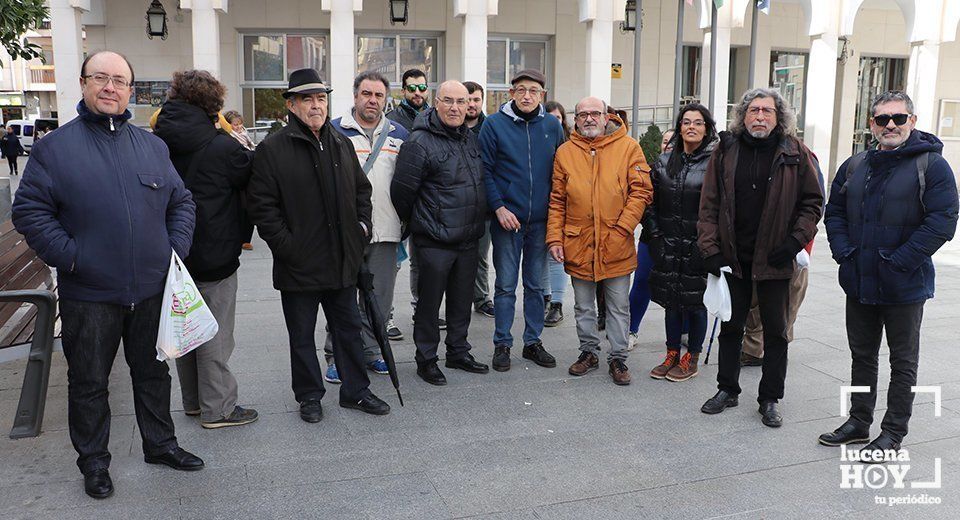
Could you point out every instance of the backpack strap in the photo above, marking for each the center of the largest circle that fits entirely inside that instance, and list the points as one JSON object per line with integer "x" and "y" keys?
{"x": 852, "y": 166}
{"x": 375, "y": 150}
{"x": 923, "y": 160}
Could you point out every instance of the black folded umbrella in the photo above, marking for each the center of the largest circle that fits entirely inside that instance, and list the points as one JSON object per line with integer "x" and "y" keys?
{"x": 377, "y": 323}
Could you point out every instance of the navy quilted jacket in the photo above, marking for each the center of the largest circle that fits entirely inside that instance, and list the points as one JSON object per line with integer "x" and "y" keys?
{"x": 101, "y": 202}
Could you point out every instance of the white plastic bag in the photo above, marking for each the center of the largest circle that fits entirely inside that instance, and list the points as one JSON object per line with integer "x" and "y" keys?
{"x": 803, "y": 259}
{"x": 717, "y": 296}
{"x": 186, "y": 321}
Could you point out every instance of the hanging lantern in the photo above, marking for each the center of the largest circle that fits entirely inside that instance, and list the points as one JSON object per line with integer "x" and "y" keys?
{"x": 629, "y": 16}
{"x": 398, "y": 11}
{"x": 156, "y": 20}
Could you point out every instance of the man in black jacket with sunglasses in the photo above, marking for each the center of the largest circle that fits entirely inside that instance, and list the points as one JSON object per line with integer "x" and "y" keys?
{"x": 891, "y": 208}
{"x": 416, "y": 97}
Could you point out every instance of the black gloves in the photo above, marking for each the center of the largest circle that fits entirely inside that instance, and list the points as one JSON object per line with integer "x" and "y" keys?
{"x": 712, "y": 264}
{"x": 782, "y": 255}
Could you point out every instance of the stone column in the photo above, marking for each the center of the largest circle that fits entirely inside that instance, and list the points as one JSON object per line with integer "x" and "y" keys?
{"x": 205, "y": 28}
{"x": 67, "y": 37}
{"x": 474, "y": 42}
{"x": 343, "y": 53}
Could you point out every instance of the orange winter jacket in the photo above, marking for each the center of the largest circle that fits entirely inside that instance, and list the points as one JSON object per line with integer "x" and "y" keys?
{"x": 600, "y": 190}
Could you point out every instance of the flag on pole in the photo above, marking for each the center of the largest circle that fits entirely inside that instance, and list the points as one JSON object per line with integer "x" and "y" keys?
{"x": 764, "y": 6}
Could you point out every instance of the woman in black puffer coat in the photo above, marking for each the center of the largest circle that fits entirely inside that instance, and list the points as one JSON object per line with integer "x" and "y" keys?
{"x": 678, "y": 280}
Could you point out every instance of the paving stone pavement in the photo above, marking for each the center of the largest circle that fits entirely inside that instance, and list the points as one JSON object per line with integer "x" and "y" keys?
{"x": 531, "y": 443}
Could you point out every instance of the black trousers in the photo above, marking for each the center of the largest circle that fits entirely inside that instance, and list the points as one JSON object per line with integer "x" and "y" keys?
{"x": 443, "y": 271}
{"x": 91, "y": 337}
{"x": 343, "y": 317}
{"x": 12, "y": 162}
{"x": 773, "y": 297}
{"x": 865, "y": 326}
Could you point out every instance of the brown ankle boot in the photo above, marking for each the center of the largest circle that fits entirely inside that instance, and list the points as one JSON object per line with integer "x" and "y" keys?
{"x": 685, "y": 369}
{"x": 588, "y": 361}
{"x": 619, "y": 372}
{"x": 660, "y": 371}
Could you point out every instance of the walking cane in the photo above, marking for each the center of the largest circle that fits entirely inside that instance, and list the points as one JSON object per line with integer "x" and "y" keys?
{"x": 709, "y": 345}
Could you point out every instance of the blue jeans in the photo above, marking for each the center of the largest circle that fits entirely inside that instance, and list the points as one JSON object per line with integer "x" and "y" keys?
{"x": 695, "y": 319}
{"x": 640, "y": 293}
{"x": 555, "y": 280}
{"x": 508, "y": 248}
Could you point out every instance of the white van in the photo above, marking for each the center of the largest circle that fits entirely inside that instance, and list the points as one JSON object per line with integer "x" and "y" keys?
{"x": 27, "y": 130}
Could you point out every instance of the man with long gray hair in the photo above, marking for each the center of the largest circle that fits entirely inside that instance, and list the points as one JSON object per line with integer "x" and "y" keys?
{"x": 760, "y": 204}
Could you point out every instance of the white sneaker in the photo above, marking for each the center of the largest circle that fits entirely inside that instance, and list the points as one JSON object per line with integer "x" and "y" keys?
{"x": 634, "y": 338}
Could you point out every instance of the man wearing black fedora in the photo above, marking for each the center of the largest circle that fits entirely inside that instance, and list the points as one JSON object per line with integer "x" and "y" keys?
{"x": 310, "y": 201}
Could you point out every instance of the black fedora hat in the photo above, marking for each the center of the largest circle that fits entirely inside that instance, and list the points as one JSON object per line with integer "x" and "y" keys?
{"x": 305, "y": 81}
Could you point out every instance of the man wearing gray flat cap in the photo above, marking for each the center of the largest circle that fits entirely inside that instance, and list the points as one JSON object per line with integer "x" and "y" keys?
{"x": 310, "y": 201}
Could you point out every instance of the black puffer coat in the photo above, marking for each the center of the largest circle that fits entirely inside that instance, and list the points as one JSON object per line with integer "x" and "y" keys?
{"x": 678, "y": 278}
{"x": 438, "y": 188}
{"x": 217, "y": 181}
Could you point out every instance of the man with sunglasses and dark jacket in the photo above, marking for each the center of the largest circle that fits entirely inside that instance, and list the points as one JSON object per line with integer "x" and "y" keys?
{"x": 891, "y": 208}
{"x": 416, "y": 98}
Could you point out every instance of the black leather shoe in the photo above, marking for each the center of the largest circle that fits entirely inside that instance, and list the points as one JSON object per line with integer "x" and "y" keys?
{"x": 554, "y": 314}
{"x": 847, "y": 433}
{"x": 177, "y": 458}
{"x": 370, "y": 404}
{"x": 98, "y": 484}
{"x": 770, "y": 410}
{"x": 719, "y": 402}
{"x": 536, "y": 353}
{"x": 883, "y": 443}
{"x": 468, "y": 364}
{"x": 501, "y": 358}
{"x": 311, "y": 411}
{"x": 431, "y": 373}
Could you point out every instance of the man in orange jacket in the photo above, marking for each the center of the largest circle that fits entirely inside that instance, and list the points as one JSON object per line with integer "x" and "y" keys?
{"x": 601, "y": 187}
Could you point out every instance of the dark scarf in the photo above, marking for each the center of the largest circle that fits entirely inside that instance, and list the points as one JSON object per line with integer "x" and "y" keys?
{"x": 526, "y": 116}
{"x": 754, "y": 168}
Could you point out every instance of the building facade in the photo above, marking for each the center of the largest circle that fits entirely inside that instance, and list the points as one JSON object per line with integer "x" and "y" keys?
{"x": 828, "y": 57}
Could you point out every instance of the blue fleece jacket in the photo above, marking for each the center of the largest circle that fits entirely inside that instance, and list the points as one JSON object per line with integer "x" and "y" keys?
{"x": 518, "y": 161}
{"x": 101, "y": 202}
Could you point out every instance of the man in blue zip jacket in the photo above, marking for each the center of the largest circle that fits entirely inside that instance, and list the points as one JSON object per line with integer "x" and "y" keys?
{"x": 891, "y": 208}
{"x": 518, "y": 144}
{"x": 101, "y": 202}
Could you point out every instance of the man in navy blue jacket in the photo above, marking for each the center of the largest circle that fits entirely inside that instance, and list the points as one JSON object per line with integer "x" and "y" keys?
{"x": 890, "y": 210}
{"x": 518, "y": 144}
{"x": 101, "y": 202}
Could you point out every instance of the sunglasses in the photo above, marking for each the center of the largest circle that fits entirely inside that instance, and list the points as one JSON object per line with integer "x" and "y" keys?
{"x": 884, "y": 120}
{"x": 413, "y": 88}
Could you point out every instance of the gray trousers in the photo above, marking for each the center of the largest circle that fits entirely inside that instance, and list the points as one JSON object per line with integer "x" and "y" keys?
{"x": 206, "y": 383}
{"x": 381, "y": 258}
{"x": 617, "y": 294}
{"x": 481, "y": 288}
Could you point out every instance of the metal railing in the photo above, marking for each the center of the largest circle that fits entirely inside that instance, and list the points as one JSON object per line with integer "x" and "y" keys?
{"x": 42, "y": 74}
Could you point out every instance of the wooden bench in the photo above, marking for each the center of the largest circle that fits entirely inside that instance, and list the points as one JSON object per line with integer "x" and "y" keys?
{"x": 28, "y": 316}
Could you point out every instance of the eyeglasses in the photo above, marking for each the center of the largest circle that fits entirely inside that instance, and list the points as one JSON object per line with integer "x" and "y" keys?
{"x": 460, "y": 102}
{"x": 695, "y": 122}
{"x": 583, "y": 116}
{"x": 767, "y": 111}
{"x": 884, "y": 119}
{"x": 523, "y": 91}
{"x": 101, "y": 80}
{"x": 422, "y": 87}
